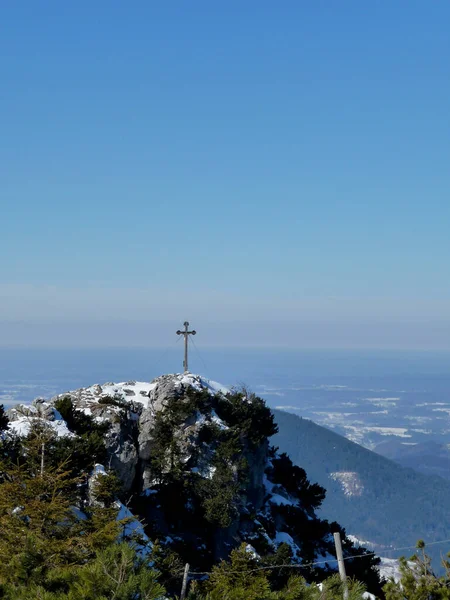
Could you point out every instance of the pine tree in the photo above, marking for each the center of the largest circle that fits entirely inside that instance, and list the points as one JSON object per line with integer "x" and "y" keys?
{"x": 42, "y": 526}
{"x": 117, "y": 572}
{"x": 238, "y": 579}
{"x": 418, "y": 580}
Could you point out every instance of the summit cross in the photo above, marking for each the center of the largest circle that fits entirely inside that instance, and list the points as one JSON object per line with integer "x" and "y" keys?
{"x": 186, "y": 333}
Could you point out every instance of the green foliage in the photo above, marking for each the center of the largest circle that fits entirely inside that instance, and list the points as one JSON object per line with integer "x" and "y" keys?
{"x": 249, "y": 414}
{"x": 115, "y": 573}
{"x": 105, "y": 488}
{"x": 165, "y": 456}
{"x": 77, "y": 421}
{"x": 333, "y": 589}
{"x": 238, "y": 579}
{"x": 88, "y": 446}
{"x": 295, "y": 482}
{"x": 418, "y": 580}
{"x": 219, "y": 496}
{"x": 169, "y": 565}
{"x": 40, "y": 530}
{"x": 113, "y": 401}
{"x": 244, "y": 578}
{"x": 213, "y": 499}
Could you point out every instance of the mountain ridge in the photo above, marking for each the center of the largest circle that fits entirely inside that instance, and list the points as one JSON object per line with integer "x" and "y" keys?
{"x": 194, "y": 461}
{"x": 394, "y": 506}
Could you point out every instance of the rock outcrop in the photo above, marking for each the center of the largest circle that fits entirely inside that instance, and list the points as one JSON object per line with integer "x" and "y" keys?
{"x": 195, "y": 460}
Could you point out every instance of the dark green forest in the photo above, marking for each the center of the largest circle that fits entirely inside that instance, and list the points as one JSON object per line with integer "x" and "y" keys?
{"x": 397, "y": 506}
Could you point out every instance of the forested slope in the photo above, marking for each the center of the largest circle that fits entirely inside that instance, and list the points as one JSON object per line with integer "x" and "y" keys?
{"x": 374, "y": 498}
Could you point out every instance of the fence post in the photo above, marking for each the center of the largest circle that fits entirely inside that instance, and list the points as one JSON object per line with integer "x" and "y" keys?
{"x": 185, "y": 582}
{"x": 340, "y": 558}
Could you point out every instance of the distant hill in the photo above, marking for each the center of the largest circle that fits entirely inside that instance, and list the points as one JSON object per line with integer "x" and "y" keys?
{"x": 430, "y": 458}
{"x": 374, "y": 498}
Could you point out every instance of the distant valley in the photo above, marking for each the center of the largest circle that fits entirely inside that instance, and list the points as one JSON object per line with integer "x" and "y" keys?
{"x": 378, "y": 501}
{"x": 406, "y": 421}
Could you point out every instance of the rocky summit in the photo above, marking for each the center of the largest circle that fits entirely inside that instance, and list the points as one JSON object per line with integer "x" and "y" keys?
{"x": 196, "y": 467}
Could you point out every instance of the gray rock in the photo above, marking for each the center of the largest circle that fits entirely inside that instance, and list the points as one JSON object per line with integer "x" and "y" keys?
{"x": 44, "y": 409}
{"x": 167, "y": 388}
{"x": 145, "y": 429}
{"x": 122, "y": 452}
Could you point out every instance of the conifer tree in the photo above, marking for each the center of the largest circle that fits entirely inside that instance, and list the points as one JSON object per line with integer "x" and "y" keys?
{"x": 418, "y": 580}
{"x": 238, "y": 579}
{"x": 42, "y": 526}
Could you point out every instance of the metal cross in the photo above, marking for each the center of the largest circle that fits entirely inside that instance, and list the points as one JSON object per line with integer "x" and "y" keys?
{"x": 186, "y": 334}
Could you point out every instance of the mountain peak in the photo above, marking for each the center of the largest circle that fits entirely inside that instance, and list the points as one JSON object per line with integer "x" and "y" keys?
{"x": 195, "y": 459}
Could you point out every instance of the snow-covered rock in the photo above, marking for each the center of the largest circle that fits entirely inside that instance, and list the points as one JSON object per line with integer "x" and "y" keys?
{"x": 22, "y": 417}
{"x": 265, "y": 513}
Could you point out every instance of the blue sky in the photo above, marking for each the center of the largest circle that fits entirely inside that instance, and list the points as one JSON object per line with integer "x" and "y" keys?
{"x": 245, "y": 163}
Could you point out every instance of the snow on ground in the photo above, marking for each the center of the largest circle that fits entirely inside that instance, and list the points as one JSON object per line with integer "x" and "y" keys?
{"x": 133, "y": 528}
{"x": 397, "y": 431}
{"x": 389, "y": 568}
{"x": 288, "y": 407}
{"x": 350, "y": 482}
{"x": 360, "y": 434}
{"x": 87, "y": 399}
{"x": 206, "y": 472}
{"x": 214, "y": 386}
{"x": 200, "y": 383}
{"x": 375, "y": 400}
{"x": 433, "y": 404}
{"x": 250, "y": 550}
{"x": 212, "y": 418}
{"x": 282, "y": 537}
{"x": 137, "y": 391}
{"x": 23, "y": 417}
{"x": 274, "y": 497}
{"x": 278, "y": 499}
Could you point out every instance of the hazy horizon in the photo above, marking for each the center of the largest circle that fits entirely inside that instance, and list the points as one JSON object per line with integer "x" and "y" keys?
{"x": 321, "y": 335}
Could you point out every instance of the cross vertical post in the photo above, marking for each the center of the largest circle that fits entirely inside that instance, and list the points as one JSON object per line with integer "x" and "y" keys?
{"x": 186, "y": 333}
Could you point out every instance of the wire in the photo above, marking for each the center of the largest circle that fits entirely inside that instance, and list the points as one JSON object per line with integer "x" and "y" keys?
{"x": 319, "y": 562}
{"x": 164, "y": 353}
{"x": 200, "y": 356}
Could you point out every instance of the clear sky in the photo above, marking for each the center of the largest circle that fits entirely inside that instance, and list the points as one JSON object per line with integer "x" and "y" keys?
{"x": 238, "y": 163}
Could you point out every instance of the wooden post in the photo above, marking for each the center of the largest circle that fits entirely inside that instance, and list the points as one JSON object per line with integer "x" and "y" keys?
{"x": 42, "y": 458}
{"x": 341, "y": 564}
{"x": 185, "y": 582}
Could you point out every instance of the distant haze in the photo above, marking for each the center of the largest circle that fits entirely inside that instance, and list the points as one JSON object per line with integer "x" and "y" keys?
{"x": 276, "y": 173}
{"x": 345, "y": 334}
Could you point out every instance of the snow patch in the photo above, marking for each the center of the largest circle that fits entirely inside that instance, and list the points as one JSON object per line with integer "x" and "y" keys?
{"x": 133, "y": 528}
{"x": 350, "y": 482}
{"x": 21, "y": 426}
